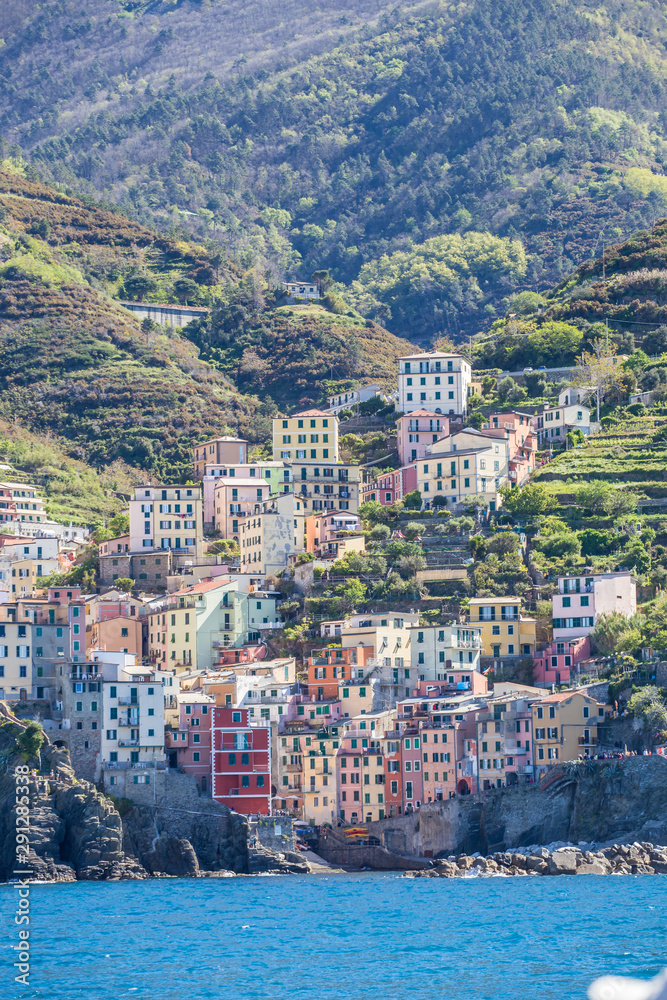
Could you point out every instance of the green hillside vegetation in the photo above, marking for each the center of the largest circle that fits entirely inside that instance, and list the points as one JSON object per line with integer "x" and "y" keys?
{"x": 75, "y": 364}
{"x": 356, "y": 139}
{"x": 73, "y": 491}
{"x": 294, "y": 354}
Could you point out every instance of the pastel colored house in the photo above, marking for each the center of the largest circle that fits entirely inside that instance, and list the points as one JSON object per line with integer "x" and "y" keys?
{"x": 565, "y": 727}
{"x": 241, "y": 762}
{"x": 581, "y": 600}
{"x": 506, "y": 632}
{"x": 557, "y": 664}
{"x": 188, "y": 747}
{"x": 325, "y": 532}
{"x": 392, "y": 486}
{"x": 119, "y": 634}
{"x": 522, "y": 441}
{"x": 417, "y": 431}
{"x": 308, "y": 436}
{"x": 219, "y": 451}
{"x": 467, "y": 463}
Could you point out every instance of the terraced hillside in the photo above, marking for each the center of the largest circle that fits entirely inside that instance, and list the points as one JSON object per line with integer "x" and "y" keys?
{"x": 630, "y": 454}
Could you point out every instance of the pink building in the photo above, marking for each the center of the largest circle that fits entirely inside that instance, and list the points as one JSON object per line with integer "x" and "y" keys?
{"x": 392, "y": 487}
{"x": 189, "y": 747}
{"x": 417, "y": 431}
{"x": 558, "y": 662}
{"x": 522, "y": 436}
{"x": 323, "y": 530}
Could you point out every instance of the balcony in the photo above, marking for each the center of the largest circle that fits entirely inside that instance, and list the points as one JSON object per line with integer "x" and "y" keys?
{"x": 128, "y": 743}
{"x": 128, "y": 701}
{"x": 140, "y": 765}
{"x": 127, "y": 721}
{"x": 292, "y": 768}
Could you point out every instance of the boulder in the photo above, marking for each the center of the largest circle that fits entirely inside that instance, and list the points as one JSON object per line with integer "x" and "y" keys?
{"x": 563, "y": 863}
{"x": 592, "y": 868}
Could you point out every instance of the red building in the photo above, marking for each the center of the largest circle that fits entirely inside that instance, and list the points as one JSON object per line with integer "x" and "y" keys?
{"x": 241, "y": 762}
{"x": 392, "y": 486}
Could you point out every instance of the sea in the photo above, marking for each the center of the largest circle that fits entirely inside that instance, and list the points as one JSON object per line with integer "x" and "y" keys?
{"x": 366, "y": 936}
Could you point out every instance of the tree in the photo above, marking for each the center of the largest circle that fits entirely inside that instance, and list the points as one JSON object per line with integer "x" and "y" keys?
{"x": 185, "y": 288}
{"x": 124, "y": 583}
{"x": 575, "y": 437}
{"x": 650, "y": 711}
{"x": 138, "y": 286}
{"x": 380, "y": 533}
{"x": 536, "y": 383}
{"x": 526, "y": 501}
{"x": 413, "y": 501}
{"x": 508, "y": 391}
{"x": 503, "y": 544}
{"x": 439, "y": 501}
{"x": 30, "y": 742}
{"x": 600, "y": 371}
{"x": 412, "y": 529}
{"x": 119, "y": 525}
{"x": 608, "y": 630}
{"x": 372, "y": 512}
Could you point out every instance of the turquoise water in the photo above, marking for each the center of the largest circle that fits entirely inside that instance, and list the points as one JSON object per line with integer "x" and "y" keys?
{"x": 360, "y": 937}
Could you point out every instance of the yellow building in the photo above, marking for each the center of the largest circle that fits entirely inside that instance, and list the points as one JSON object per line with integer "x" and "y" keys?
{"x": 309, "y": 436}
{"x": 505, "y": 630}
{"x": 318, "y": 775}
{"x": 565, "y": 726}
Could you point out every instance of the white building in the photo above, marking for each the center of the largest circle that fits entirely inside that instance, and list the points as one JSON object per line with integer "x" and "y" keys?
{"x": 302, "y": 289}
{"x": 434, "y": 381}
{"x": 581, "y": 600}
{"x": 133, "y": 715}
{"x": 553, "y": 422}
{"x": 436, "y": 649}
{"x": 351, "y": 397}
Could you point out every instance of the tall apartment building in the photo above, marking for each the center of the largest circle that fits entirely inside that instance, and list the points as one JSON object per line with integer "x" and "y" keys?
{"x": 435, "y": 381}
{"x": 167, "y": 518}
{"x": 24, "y": 500}
{"x": 435, "y": 650}
{"x": 188, "y": 628}
{"x": 506, "y": 631}
{"x": 219, "y": 451}
{"x": 269, "y": 538}
{"x": 310, "y": 436}
{"x": 241, "y": 762}
{"x": 235, "y": 499}
{"x": 277, "y": 476}
{"x": 329, "y": 487}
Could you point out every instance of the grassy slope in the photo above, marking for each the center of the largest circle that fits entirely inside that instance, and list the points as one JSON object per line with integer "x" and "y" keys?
{"x": 297, "y": 354}
{"x": 72, "y": 489}
{"x": 519, "y": 119}
{"x": 75, "y": 364}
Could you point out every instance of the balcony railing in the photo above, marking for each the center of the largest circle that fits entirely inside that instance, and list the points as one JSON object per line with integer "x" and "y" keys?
{"x": 127, "y": 701}
{"x": 128, "y": 743}
{"x": 141, "y": 765}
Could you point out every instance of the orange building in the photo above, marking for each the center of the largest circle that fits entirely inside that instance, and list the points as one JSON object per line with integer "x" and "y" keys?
{"x": 328, "y": 667}
{"x": 118, "y": 634}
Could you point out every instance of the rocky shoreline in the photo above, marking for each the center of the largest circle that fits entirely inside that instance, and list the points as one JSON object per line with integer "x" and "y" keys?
{"x": 616, "y": 859}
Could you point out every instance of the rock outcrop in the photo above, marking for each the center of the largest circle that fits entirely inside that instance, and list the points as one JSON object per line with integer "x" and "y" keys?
{"x": 618, "y": 859}
{"x": 76, "y": 832}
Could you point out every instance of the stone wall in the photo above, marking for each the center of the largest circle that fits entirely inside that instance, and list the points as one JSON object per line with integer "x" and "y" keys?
{"x": 275, "y": 832}
{"x": 597, "y": 801}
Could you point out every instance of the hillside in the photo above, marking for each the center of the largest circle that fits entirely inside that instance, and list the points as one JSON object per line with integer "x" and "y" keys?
{"x": 73, "y": 491}
{"x": 294, "y": 354}
{"x": 74, "y": 364}
{"x": 379, "y": 142}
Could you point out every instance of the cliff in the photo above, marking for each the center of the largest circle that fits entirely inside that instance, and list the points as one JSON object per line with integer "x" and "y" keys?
{"x": 597, "y": 801}
{"x": 76, "y": 832}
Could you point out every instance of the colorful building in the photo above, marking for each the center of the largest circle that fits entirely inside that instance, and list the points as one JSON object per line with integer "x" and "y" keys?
{"x": 565, "y": 727}
{"x": 418, "y": 431}
{"x": 241, "y": 762}
{"x": 505, "y": 630}
{"x": 581, "y": 600}
{"x": 557, "y": 664}
{"x": 308, "y": 436}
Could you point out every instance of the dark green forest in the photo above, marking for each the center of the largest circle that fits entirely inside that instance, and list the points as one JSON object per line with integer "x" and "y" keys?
{"x": 436, "y": 160}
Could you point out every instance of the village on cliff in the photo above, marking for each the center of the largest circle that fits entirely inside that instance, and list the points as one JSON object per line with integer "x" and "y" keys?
{"x": 322, "y": 648}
